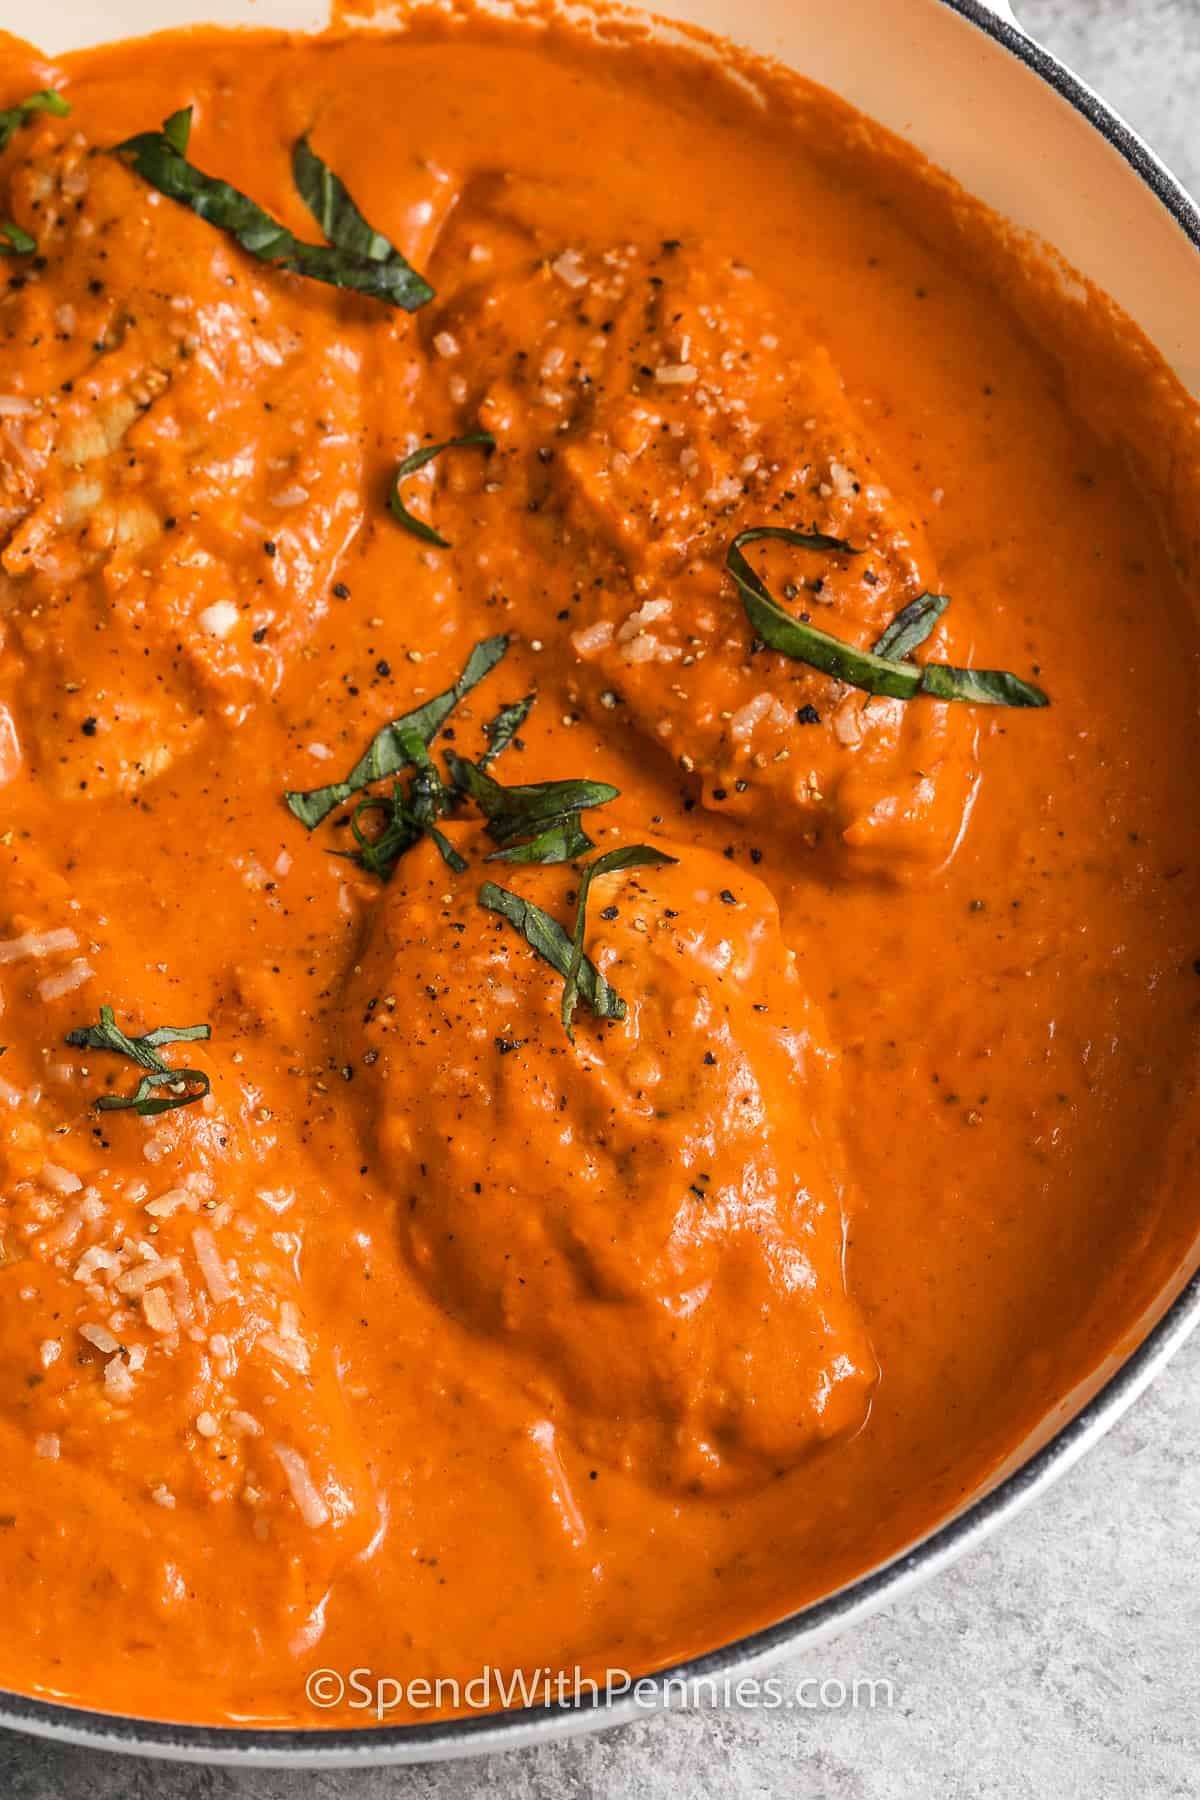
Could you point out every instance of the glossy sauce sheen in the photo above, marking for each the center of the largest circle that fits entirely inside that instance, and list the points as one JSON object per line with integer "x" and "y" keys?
{"x": 475, "y": 1346}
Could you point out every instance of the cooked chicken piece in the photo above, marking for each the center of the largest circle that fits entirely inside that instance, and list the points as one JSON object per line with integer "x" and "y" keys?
{"x": 653, "y": 1215}
{"x": 176, "y": 485}
{"x": 648, "y": 405}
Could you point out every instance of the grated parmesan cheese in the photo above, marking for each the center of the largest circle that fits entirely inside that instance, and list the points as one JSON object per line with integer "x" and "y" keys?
{"x": 305, "y": 1492}
{"x": 219, "y": 619}
{"x": 569, "y": 268}
{"x": 70, "y": 978}
{"x": 38, "y": 943}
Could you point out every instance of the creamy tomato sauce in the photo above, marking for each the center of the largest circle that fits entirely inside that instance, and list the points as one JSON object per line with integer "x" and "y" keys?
{"x": 430, "y": 1336}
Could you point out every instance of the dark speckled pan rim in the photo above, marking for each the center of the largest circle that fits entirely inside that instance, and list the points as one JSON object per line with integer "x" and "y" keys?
{"x": 373, "y": 1746}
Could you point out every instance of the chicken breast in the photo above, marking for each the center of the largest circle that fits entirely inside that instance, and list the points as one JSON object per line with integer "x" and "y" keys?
{"x": 649, "y": 403}
{"x": 651, "y": 1215}
{"x": 180, "y": 470}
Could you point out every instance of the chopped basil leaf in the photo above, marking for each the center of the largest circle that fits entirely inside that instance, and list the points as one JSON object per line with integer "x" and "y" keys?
{"x": 984, "y": 687}
{"x": 328, "y": 200}
{"x": 428, "y": 799}
{"x": 107, "y": 1035}
{"x": 482, "y": 440}
{"x": 501, "y": 730}
{"x": 186, "y": 1085}
{"x": 178, "y": 129}
{"x": 536, "y": 822}
{"x": 547, "y": 937}
{"x": 386, "y": 754}
{"x": 630, "y": 856}
{"x": 16, "y": 242}
{"x": 558, "y": 843}
{"x": 806, "y": 643}
{"x": 545, "y": 811}
{"x": 45, "y": 100}
{"x": 864, "y": 669}
{"x": 174, "y": 1034}
{"x": 449, "y": 854}
{"x": 536, "y": 806}
{"x": 911, "y": 626}
{"x": 159, "y": 157}
{"x": 408, "y": 817}
{"x": 379, "y": 855}
{"x": 582, "y": 980}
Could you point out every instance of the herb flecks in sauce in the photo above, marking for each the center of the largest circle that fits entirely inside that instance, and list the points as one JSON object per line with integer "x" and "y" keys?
{"x": 867, "y": 669}
{"x": 184, "y": 1086}
{"x": 357, "y": 257}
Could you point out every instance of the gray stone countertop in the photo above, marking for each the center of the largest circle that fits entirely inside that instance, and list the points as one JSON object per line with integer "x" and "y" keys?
{"x": 1061, "y": 1661}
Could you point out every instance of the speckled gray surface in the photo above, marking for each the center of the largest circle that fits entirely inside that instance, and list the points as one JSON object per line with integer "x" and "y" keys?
{"x": 1063, "y": 1659}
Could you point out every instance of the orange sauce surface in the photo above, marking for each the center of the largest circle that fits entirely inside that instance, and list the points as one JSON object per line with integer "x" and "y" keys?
{"x": 430, "y": 1339}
